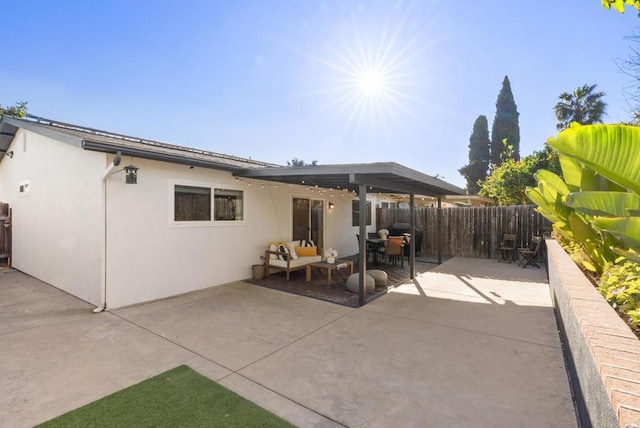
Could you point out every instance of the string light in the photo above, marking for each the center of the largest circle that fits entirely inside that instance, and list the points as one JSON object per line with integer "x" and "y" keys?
{"x": 313, "y": 189}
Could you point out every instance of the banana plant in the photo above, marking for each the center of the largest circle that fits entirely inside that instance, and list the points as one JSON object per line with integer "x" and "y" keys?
{"x": 613, "y": 151}
{"x": 598, "y": 202}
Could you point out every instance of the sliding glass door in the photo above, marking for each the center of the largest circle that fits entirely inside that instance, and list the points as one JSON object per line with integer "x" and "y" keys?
{"x": 308, "y": 220}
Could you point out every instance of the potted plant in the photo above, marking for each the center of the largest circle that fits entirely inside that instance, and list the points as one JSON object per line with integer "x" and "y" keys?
{"x": 331, "y": 255}
{"x": 258, "y": 270}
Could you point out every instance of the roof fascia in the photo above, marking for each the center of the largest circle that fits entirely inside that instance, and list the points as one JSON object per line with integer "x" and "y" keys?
{"x": 44, "y": 131}
{"x": 97, "y": 146}
{"x": 383, "y": 184}
{"x": 363, "y": 174}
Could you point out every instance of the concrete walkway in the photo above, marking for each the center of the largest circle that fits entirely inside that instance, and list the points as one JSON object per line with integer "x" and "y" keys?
{"x": 473, "y": 343}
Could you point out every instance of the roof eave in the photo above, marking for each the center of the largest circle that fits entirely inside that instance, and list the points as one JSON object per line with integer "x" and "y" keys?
{"x": 103, "y": 147}
{"x": 380, "y": 177}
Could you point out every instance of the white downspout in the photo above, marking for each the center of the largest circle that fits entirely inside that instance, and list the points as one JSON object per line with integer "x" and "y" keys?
{"x": 103, "y": 264}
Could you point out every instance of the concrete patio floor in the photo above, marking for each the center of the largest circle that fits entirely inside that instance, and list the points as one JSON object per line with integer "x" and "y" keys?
{"x": 472, "y": 343}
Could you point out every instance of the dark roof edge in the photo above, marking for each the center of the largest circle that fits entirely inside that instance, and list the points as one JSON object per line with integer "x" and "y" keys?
{"x": 359, "y": 169}
{"x": 154, "y": 155}
{"x": 52, "y": 124}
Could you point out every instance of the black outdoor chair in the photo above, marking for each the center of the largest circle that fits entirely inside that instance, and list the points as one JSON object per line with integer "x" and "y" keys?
{"x": 529, "y": 254}
{"x": 508, "y": 248}
{"x": 371, "y": 248}
{"x": 408, "y": 245}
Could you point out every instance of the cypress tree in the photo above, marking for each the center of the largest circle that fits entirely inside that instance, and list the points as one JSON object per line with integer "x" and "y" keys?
{"x": 505, "y": 125}
{"x": 479, "y": 156}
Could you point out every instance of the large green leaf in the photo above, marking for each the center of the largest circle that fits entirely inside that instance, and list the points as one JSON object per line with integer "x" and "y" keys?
{"x": 545, "y": 207}
{"x": 611, "y": 150}
{"x": 627, "y": 229}
{"x": 552, "y": 182}
{"x": 564, "y": 228}
{"x": 590, "y": 241}
{"x": 630, "y": 254}
{"x": 608, "y": 204}
{"x": 576, "y": 175}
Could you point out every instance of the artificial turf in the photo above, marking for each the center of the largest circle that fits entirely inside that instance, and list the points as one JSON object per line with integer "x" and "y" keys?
{"x": 179, "y": 397}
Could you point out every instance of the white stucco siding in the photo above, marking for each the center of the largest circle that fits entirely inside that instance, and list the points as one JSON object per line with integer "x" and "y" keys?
{"x": 56, "y": 223}
{"x": 149, "y": 258}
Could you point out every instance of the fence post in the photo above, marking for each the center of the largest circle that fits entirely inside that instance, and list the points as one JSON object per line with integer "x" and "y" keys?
{"x": 439, "y": 230}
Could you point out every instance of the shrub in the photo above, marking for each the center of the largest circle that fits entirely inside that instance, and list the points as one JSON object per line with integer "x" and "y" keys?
{"x": 575, "y": 252}
{"x": 620, "y": 285}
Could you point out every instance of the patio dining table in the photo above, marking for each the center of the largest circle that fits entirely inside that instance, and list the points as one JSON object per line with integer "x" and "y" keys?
{"x": 377, "y": 243}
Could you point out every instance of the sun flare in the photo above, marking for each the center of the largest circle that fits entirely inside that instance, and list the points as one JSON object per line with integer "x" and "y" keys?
{"x": 371, "y": 66}
{"x": 371, "y": 82}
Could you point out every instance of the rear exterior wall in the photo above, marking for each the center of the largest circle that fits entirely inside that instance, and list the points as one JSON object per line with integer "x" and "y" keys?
{"x": 56, "y": 218}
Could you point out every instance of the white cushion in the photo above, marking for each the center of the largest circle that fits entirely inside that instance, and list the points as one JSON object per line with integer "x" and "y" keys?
{"x": 294, "y": 255}
{"x": 301, "y": 261}
{"x": 292, "y": 249}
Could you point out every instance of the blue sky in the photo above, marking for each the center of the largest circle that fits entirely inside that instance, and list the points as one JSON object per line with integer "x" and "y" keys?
{"x": 274, "y": 80}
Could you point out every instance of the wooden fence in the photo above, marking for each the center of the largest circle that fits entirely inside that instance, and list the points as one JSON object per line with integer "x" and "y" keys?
{"x": 470, "y": 232}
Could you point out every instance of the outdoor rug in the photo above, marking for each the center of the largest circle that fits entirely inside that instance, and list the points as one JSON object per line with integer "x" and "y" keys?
{"x": 337, "y": 292}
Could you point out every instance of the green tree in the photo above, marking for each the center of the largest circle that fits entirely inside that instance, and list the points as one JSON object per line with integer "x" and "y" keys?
{"x": 583, "y": 105}
{"x": 19, "y": 109}
{"x": 296, "y": 162}
{"x": 631, "y": 67}
{"x": 479, "y": 155}
{"x": 619, "y": 4}
{"x": 505, "y": 125}
{"x": 508, "y": 182}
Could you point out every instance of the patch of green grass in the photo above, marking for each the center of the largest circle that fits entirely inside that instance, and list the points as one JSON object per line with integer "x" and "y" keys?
{"x": 179, "y": 397}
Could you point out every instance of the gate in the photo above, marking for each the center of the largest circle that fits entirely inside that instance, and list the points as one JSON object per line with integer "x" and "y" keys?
{"x": 5, "y": 234}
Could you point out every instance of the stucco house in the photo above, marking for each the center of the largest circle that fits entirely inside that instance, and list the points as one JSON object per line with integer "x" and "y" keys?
{"x": 117, "y": 220}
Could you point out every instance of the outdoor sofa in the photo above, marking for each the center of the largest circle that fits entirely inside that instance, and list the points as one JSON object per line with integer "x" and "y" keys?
{"x": 290, "y": 256}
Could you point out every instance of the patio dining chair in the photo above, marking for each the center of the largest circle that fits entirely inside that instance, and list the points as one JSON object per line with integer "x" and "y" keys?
{"x": 394, "y": 249}
{"x": 508, "y": 248}
{"x": 529, "y": 254}
{"x": 371, "y": 249}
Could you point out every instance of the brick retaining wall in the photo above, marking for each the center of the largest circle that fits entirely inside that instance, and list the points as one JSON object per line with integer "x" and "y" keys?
{"x": 604, "y": 352}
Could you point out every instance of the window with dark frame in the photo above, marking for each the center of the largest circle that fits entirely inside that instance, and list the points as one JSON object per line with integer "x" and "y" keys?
{"x": 355, "y": 205}
{"x": 228, "y": 205}
{"x": 192, "y": 203}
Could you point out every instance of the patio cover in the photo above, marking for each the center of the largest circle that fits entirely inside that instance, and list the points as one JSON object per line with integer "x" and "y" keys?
{"x": 384, "y": 177}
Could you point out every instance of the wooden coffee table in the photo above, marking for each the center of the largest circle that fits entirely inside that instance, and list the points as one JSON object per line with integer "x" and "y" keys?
{"x": 330, "y": 267}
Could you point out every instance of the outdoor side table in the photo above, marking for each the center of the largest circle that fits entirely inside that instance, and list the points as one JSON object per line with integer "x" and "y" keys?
{"x": 330, "y": 267}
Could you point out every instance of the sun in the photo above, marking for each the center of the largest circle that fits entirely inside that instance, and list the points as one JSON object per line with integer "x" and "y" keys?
{"x": 371, "y": 82}
{"x": 368, "y": 67}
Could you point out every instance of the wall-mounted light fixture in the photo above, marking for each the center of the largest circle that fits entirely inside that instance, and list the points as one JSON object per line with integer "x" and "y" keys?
{"x": 331, "y": 205}
{"x": 131, "y": 172}
{"x": 10, "y": 154}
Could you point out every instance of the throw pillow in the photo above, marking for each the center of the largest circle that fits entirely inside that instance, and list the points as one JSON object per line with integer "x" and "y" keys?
{"x": 307, "y": 251}
{"x": 294, "y": 253}
{"x": 283, "y": 249}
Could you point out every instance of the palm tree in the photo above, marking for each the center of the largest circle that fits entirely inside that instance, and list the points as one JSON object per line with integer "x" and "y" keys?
{"x": 582, "y": 106}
